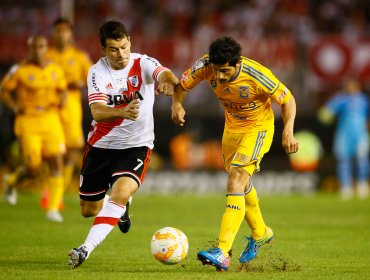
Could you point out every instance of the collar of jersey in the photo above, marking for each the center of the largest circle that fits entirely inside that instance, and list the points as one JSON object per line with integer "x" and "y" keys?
{"x": 237, "y": 75}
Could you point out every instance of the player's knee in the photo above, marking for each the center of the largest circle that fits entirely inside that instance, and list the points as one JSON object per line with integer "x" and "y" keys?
{"x": 89, "y": 209}
{"x": 87, "y": 213}
{"x": 237, "y": 180}
{"x": 32, "y": 172}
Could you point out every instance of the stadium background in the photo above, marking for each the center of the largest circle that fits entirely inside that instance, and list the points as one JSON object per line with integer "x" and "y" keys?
{"x": 312, "y": 46}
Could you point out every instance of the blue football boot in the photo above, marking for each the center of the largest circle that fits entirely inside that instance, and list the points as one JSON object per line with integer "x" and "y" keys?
{"x": 215, "y": 257}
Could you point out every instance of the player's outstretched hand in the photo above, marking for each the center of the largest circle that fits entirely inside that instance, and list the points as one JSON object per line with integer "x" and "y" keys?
{"x": 131, "y": 111}
{"x": 165, "y": 88}
{"x": 178, "y": 114}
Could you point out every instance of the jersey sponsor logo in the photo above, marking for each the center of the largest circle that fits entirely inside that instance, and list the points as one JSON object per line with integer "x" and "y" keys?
{"x": 199, "y": 64}
{"x": 244, "y": 91}
{"x": 242, "y": 118}
{"x": 93, "y": 80}
{"x": 250, "y": 106}
{"x": 134, "y": 80}
{"x": 120, "y": 99}
{"x": 213, "y": 83}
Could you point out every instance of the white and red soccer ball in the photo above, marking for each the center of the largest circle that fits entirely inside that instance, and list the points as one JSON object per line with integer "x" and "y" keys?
{"x": 169, "y": 245}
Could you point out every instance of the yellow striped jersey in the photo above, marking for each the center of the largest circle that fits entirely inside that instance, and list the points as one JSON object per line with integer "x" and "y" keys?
{"x": 37, "y": 88}
{"x": 74, "y": 62}
{"x": 246, "y": 98}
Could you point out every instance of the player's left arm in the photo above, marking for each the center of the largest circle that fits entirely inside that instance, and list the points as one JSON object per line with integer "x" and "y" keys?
{"x": 277, "y": 91}
{"x": 288, "y": 112}
{"x": 8, "y": 88}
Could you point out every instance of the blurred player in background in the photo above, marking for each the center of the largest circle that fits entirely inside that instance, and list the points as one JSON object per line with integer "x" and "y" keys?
{"x": 35, "y": 89}
{"x": 245, "y": 88}
{"x": 120, "y": 141}
{"x": 351, "y": 138}
{"x": 75, "y": 64}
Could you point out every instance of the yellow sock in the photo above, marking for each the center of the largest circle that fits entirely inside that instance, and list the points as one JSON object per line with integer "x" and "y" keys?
{"x": 253, "y": 214}
{"x": 68, "y": 172}
{"x": 231, "y": 220}
{"x": 56, "y": 190}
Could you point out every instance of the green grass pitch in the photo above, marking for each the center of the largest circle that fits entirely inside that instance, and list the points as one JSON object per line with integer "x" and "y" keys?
{"x": 316, "y": 237}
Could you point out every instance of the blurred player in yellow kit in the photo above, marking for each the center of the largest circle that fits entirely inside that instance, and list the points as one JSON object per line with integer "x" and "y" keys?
{"x": 35, "y": 89}
{"x": 75, "y": 64}
{"x": 245, "y": 88}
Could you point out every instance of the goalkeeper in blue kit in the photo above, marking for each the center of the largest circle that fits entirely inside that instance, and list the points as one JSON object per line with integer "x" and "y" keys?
{"x": 351, "y": 138}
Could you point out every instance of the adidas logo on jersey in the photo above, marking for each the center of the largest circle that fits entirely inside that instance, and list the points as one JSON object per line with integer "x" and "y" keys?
{"x": 109, "y": 86}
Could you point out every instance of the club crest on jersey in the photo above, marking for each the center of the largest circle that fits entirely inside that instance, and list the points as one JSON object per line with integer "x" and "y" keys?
{"x": 134, "y": 80}
{"x": 213, "y": 83}
{"x": 244, "y": 92}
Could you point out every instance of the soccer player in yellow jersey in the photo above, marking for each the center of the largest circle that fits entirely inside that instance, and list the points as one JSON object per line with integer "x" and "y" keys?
{"x": 34, "y": 89}
{"x": 75, "y": 64}
{"x": 245, "y": 88}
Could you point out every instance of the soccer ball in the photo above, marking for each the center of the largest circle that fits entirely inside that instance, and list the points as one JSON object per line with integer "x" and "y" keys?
{"x": 169, "y": 245}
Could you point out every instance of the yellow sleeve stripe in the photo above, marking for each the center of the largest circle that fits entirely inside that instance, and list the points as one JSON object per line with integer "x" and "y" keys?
{"x": 259, "y": 76}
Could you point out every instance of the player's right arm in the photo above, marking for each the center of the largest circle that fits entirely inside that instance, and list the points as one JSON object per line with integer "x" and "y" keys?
{"x": 7, "y": 89}
{"x": 189, "y": 79}
{"x": 177, "y": 110}
{"x": 98, "y": 102}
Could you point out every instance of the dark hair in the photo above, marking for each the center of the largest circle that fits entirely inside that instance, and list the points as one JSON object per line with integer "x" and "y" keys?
{"x": 224, "y": 50}
{"x": 62, "y": 20}
{"x": 112, "y": 30}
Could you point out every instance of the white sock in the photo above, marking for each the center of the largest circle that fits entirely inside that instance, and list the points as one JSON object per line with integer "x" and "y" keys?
{"x": 104, "y": 222}
{"x": 105, "y": 201}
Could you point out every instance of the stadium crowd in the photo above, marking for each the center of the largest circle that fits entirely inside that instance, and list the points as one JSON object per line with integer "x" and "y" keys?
{"x": 152, "y": 18}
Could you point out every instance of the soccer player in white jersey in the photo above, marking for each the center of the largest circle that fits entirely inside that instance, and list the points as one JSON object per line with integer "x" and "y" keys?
{"x": 121, "y": 97}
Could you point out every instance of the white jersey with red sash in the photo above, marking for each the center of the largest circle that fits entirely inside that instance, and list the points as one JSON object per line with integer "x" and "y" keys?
{"x": 117, "y": 88}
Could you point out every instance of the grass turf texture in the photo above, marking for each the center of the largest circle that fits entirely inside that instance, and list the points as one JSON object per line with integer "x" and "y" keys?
{"x": 318, "y": 237}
